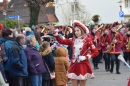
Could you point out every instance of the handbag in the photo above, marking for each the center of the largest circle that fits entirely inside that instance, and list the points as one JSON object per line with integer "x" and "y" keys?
{"x": 52, "y": 74}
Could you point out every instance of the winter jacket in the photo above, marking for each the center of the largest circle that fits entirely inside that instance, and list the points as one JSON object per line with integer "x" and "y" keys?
{"x": 18, "y": 61}
{"x": 61, "y": 66}
{"x": 8, "y": 42}
{"x": 35, "y": 63}
{"x": 49, "y": 63}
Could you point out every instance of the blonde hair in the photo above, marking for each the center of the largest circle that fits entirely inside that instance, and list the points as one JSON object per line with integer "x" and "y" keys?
{"x": 82, "y": 32}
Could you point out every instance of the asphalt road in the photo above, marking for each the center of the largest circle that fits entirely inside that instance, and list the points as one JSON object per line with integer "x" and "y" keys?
{"x": 103, "y": 78}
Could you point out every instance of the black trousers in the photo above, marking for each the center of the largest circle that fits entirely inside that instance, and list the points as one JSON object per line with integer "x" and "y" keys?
{"x": 107, "y": 61}
{"x": 19, "y": 81}
{"x": 114, "y": 57}
{"x": 47, "y": 83}
{"x": 100, "y": 55}
{"x": 127, "y": 56}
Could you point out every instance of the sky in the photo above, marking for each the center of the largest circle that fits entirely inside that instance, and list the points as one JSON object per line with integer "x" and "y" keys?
{"x": 2, "y": 0}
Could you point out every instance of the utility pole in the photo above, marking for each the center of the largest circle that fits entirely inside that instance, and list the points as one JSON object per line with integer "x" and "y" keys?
{"x": 18, "y": 22}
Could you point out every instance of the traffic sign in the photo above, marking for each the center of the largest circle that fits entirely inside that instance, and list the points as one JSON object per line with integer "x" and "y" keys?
{"x": 13, "y": 17}
{"x": 20, "y": 18}
{"x": 121, "y": 14}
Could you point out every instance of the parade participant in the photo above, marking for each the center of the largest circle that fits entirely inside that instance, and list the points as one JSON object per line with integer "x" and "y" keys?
{"x": 95, "y": 36}
{"x": 126, "y": 46}
{"x": 83, "y": 49}
{"x": 104, "y": 43}
{"x": 114, "y": 48}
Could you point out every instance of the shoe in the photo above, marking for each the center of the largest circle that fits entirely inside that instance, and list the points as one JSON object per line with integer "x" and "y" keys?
{"x": 107, "y": 70}
{"x": 118, "y": 72}
{"x": 111, "y": 71}
{"x": 100, "y": 62}
{"x": 97, "y": 67}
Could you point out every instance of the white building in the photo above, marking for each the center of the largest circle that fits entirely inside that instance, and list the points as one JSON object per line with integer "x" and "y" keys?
{"x": 108, "y": 10}
{"x": 126, "y": 8}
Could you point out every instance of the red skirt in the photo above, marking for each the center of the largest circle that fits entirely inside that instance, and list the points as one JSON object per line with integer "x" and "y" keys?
{"x": 80, "y": 70}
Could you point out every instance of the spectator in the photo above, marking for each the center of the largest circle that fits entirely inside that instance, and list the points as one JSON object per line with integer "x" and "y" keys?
{"x": 48, "y": 59}
{"x": 61, "y": 67}
{"x": 18, "y": 62}
{"x": 35, "y": 63}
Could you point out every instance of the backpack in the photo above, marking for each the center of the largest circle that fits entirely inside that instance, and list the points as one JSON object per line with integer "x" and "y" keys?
{"x": 3, "y": 53}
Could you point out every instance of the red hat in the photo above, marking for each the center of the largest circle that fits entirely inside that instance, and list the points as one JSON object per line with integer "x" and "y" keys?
{"x": 1, "y": 26}
{"x": 78, "y": 23}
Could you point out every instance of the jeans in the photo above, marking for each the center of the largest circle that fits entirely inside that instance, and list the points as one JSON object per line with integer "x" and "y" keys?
{"x": 36, "y": 80}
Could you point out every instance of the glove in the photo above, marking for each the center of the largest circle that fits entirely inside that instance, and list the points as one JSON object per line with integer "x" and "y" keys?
{"x": 89, "y": 56}
{"x": 82, "y": 58}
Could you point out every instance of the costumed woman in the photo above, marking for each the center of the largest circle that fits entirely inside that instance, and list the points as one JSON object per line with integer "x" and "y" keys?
{"x": 83, "y": 49}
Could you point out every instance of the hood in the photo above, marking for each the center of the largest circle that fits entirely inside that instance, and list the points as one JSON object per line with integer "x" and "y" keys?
{"x": 5, "y": 39}
{"x": 46, "y": 52}
{"x": 61, "y": 52}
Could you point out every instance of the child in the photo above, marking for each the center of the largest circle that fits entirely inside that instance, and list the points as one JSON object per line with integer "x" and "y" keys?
{"x": 48, "y": 60}
{"x": 61, "y": 67}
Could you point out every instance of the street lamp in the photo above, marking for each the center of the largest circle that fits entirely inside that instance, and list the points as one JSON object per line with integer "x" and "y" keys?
{"x": 4, "y": 13}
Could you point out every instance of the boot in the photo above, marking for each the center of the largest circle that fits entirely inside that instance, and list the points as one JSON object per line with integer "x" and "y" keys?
{"x": 118, "y": 72}
{"x": 94, "y": 66}
{"x": 97, "y": 66}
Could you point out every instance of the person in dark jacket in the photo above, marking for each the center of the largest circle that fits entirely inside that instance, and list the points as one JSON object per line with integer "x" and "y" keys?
{"x": 35, "y": 63}
{"x": 18, "y": 62}
{"x": 6, "y": 41}
{"x": 48, "y": 59}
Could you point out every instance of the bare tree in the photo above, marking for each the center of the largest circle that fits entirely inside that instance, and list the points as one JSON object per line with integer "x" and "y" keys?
{"x": 74, "y": 11}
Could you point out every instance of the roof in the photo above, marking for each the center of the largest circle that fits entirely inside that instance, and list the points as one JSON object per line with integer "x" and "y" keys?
{"x": 52, "y": 18}
{"x": 45, "y": 18}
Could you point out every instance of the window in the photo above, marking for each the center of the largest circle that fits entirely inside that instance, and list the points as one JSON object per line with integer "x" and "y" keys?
{"x": 127, "y": 3}
{"x": 74, "y": 8}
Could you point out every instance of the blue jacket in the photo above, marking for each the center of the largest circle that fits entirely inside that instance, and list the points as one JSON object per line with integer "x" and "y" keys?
{"x": 18, "y": 61}
{"x": 8, "y": 42}
{"x": 35, "y": 63}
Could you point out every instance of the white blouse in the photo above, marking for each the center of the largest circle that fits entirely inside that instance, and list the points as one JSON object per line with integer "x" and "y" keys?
{"x": 78, "y": 44}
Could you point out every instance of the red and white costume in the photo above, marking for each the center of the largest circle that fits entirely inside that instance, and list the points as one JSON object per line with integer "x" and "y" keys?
{"x": 80, "y": 70}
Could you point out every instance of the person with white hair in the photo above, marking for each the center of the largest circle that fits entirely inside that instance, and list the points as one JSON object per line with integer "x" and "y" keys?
{"x": 35, "y": 63}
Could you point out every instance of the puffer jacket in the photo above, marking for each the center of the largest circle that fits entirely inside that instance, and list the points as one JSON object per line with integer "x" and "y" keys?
{"x": 49, "y": 63}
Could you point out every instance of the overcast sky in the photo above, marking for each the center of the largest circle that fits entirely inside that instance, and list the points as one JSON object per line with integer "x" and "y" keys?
{"x": 2, "y": 0}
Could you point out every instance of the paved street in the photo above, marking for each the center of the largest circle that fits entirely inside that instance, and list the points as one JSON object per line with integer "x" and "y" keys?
{"x": 104, "y": 78}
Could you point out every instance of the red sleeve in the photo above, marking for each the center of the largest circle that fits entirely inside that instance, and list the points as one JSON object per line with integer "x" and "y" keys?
{"x": 120, "y": 40}
{"x": 63, "y": 41}
{"x": 93, "y": 49}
